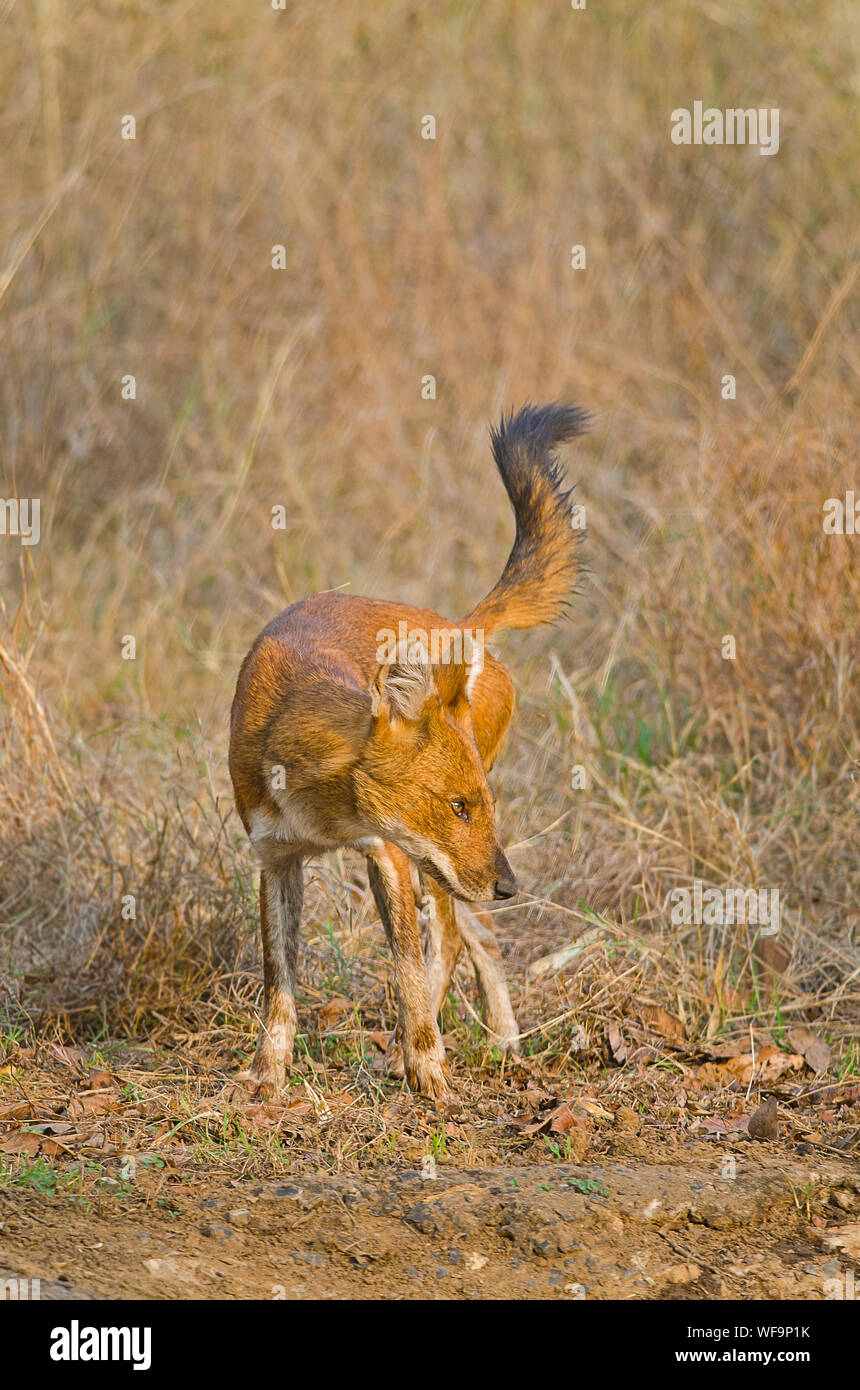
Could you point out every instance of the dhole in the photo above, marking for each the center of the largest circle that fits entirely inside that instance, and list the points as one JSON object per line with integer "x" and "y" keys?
{"x": 330, "y": 748}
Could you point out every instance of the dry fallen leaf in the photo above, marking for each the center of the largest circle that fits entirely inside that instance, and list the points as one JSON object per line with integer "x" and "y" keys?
{"x": 99, "y": 1080}
{"x": 591, "y": 1107}
{"x": 99, "y": 1104}
{"x": 767, "y": 1065}
{"x": 617, "y": 1045}
{"x": 465, "y": 1133}
{"x": 559, "y": 1121}
{"x": 21, "y": 1141}
{"x": 773, "y": 954}
{"x": 844, "y": 1093}
{"x": 764, "y": 1124}
{"x": 557, "y": 960}
{"x": 664, "y": 1023}
{"x": 24, "y": 1141}
{"x": 16, "y": 1110}
{"x": 71, "y": 1057}
{"x": 563, "y": 1119}
{"x": 331, "y": 1010}
{"x": 728, "y": 1124}
{"x": 52, "y": 1148}
{"x": 718, "y": 1052}
{"x": 814, "y": 1049}
{"x": 536, "y": 1096}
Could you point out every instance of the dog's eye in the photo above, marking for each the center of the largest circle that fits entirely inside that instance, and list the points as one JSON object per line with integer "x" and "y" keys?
{"x": 460, "y": 809}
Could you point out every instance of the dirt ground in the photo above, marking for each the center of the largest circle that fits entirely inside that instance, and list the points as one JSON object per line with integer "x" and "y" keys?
{"x": 588, "y": 1197}
{"x": 671, "y": 1229}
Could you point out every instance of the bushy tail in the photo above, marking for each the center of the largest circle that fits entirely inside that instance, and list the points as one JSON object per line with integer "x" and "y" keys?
{"x": 543, "y": 565}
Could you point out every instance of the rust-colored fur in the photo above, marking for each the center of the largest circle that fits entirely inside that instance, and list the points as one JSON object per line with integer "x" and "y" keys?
{"x": 331, "y": 747}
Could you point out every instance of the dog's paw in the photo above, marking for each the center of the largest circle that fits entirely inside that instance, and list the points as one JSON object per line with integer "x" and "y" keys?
{"x": 392, "y": 1062}
{"x": 429, "y": 1075}
{"x": 259, "y": 1083}
{"x": 509, "y": 1043}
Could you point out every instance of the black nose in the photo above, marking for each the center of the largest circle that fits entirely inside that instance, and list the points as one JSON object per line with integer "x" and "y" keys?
{"x": 505, "y": 888}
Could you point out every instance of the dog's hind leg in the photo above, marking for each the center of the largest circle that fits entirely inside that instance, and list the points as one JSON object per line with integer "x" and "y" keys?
{"x": 281, "y": 895}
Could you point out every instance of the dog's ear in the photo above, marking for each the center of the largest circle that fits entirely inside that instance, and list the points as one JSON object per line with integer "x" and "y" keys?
{"x": 402, "y": 690}
{"x": 456, "y": 680}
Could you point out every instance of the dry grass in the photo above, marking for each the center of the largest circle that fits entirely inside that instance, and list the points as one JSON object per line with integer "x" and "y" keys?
{"x": 303, "y": 388}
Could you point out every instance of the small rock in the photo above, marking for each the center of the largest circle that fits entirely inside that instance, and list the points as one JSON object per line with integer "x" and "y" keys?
{"x": 425, "y": 1218}
{"x": 844, "y": 1238}
{"x": 220, "y": 1233}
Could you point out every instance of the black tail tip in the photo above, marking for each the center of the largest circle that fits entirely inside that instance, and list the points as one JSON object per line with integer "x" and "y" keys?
{"x": 540, "y": 427}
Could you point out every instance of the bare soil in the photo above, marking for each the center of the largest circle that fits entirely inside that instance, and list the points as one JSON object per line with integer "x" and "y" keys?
{"x": 659, "y": 1222}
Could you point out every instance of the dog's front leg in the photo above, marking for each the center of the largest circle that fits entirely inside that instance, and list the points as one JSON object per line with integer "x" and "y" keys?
{"x": 476, "y": 928}
{"x": 423, "y": 1051}
{"x": 444, "y": 943}
{"x": 451, "y": 925}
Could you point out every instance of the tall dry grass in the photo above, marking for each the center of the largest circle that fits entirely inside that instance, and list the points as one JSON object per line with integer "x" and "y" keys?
{"x": 255, "y": 387}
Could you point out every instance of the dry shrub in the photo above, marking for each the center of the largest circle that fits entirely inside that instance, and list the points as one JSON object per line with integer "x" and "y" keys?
{"x": 302, "y": 388}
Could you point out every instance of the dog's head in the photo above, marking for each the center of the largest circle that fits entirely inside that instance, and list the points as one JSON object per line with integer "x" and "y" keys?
{"x": 420, "y": 781}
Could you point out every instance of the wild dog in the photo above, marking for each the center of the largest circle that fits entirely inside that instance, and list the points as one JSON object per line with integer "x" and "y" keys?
{"x": 330, "y": 747}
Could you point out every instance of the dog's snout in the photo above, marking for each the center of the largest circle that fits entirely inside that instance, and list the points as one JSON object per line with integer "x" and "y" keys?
{"x": 505, "y": 885}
